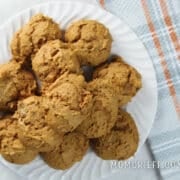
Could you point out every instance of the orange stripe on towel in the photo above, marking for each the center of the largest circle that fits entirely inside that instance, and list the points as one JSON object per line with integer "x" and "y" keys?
{"x": 102, "y": 3}
{"x": 168, "y": 22}
{"x": 162, "y": 57}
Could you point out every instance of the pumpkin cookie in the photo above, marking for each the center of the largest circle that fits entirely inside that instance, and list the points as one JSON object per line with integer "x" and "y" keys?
{"x": 33, "y": 35}
{"x": 121, "y": 142}
{"x": 72, "y": 150}
{"x": 103, "y": 113}
{"x": 69, "y": 102}
{"x": 11, "y": 148}
{"x": 52, "y": 60}
{"x": 15, "y": 84}
{"x": 34, "y": 131}
{"x": 91, "y": 40}
{"x": 121, "y": 77}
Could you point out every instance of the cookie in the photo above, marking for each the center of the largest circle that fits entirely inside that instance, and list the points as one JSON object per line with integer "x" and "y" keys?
{"x": 91, "y": 40}
{"x": 21, "y": 158}
{"x": 121, "y": 143}
{"x": 69, "y": 102}
{"x": 11, "y": 148}
{"x": 15, "y": 84}
{"x": 27, "y": 41}
{"x": 72, "y": 150}
{"x": 34, "y": 131}
{"x": 103, "y": 113}
{"x": 53, "y": 60}
{"x": 121, "y": 77}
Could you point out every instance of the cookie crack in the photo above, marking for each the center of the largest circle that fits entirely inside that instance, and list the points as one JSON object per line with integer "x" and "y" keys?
{"x": 79, "y": 33}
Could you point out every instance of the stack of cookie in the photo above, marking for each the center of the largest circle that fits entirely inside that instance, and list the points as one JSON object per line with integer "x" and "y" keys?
{"x": 48, "y": 106}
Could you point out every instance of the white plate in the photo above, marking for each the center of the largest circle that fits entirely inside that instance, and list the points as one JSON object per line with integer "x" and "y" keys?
{"x": 126, "y": 44}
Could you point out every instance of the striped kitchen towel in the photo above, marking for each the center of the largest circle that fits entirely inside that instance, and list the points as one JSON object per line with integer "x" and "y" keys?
{"x": 157, "y": 24}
